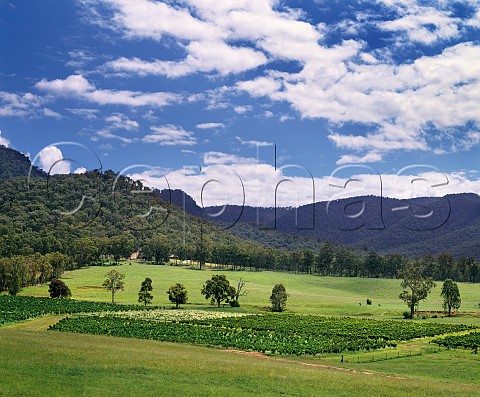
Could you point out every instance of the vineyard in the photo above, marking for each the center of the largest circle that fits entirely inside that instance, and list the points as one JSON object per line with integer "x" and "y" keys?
{"x": 19, "y": 308}
{"x": 468, "y": 341}
{"x": 271, "y": 334}
{"x": 267, "y": 333}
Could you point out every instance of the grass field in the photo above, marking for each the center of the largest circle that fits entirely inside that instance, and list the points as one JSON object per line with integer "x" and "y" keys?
{"x": 39, "y": 363}
{"x": 36, "y": 362}
{"x": 308, "y": 294}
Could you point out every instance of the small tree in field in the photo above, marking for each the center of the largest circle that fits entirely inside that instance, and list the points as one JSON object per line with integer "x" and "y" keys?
{"x": 419, "y": 286}
{"x": 177, "y": 294}
{"x": 279, "y": 298}
{"x": 218, "y": 289}
{"x": 58, "y": 289}
{"x": 144, "y": 295}
{"x": 114, "y": 282}
{"x": 451, "y": 296}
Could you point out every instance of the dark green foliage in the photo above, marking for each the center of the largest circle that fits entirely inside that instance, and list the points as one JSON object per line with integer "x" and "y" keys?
{"x": 41, "y": 217}
{"x": 85, "y": 251}
{"x": 234, "y": 303}
{"x": 278, "y": 298}
{"x": 19, "y": 271}
{"x": 451, "y": 296}
{"x": 218, "y": 289}
{"x": 144, "y": 295}
{"x": 120, "y": 247}
{"x": 158, "y": 249}
{"x": 369, "y": 301}
{"x": 469, "y": 341}
{"x": 58, "y": 289}
{"x": 14, "y": 285}
{"x": 177, "y": 294}
{"x": 15, "y": 164}
{"x": 286, "y": 334}
{"x": 19, "y": 308}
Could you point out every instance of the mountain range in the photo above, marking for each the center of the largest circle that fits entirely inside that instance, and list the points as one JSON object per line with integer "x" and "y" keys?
{"x": 414, "y": 227}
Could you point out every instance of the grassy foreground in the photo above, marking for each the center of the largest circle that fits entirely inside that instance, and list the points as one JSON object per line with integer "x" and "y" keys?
{"x": 36, "y": 362}
{"x": 338, "y": 296}
{"x": 39, "y": 363}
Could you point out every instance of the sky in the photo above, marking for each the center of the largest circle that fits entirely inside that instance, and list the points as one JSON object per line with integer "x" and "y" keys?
{"x": 238, "y": 101}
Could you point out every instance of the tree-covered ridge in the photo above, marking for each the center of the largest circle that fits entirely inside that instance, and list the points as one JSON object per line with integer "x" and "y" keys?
{"x": 41, "y": 217}
{"x": 14, "y": 164}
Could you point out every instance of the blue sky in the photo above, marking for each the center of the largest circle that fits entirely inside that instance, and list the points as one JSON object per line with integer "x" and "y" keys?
{"x": 201, "y": 90}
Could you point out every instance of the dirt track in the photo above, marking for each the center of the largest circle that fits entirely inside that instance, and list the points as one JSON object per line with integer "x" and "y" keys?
{"x": 284, "y": 360}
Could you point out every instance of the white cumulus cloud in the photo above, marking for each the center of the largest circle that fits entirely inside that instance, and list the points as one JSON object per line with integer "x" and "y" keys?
{"x": 4, "y": 141}
{"x": 51, "y": 161}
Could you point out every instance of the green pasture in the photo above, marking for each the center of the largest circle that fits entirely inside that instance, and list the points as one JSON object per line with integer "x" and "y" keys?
{"x": 40, "y": 363}
{"x": 338, "y": 296}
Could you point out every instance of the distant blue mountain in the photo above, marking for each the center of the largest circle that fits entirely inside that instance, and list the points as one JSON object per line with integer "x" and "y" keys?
{"x": 415, "y": 227}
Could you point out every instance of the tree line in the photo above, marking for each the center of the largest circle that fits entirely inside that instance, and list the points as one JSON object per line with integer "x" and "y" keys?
{"x": 330, "y": 260}
{"x": 20, "y": 271}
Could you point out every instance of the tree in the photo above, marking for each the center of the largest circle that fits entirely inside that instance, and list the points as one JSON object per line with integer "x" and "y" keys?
{"x": 240, "y": 288}
{"x": 114, "y": 282}
{"x": 418, "y": 285}
{"x": 14, "y": 285}
{"x": 445, "y": 266}
{"x": 58, "y": 289}
{"x": 324, "y": 258}
{"x": 373, "y": 264}
{"x": 85, "y": 251}
{"x": 16, "y": 275}
{"x": 144, "y": 295}
{"x": 120, "y": 246}
{"x": 218, "y": 289}
{"x": 58, "y": 262}
{"x": 451, "y": 296}
{"x": 157, "y": 248}
{"x": 203, "y": 249}
{"x": 278, "y": 298}
{"x": 177, "y": 294}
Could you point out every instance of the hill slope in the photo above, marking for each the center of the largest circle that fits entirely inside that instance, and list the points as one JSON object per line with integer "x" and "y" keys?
{"x": 14, "y": 164}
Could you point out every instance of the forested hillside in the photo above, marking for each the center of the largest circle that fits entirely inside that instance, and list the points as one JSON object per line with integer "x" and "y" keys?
{"x": 50, "y": 215}
{"x": 13, "y": 164}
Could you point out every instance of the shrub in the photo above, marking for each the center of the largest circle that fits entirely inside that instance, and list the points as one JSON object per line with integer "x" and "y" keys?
{"x": 234, "y": 303}
{"x": 58, "y": 289}
{"x": 369, "y": 301}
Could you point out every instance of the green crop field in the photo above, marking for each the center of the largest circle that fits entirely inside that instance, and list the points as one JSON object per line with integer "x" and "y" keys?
{"x": 356, "y": 356}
